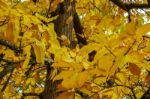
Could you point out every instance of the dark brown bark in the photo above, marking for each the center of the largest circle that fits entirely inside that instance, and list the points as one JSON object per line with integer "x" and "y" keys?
{"x": 65, "y": 10}
{"x": 61, "y": 27}
{"x": 129, "y": 6}
{"x": 50, "y": 86}
{"x": 79, "y": 30}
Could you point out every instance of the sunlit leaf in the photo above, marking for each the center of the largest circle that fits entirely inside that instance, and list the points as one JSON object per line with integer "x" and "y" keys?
{"x": 27, "y": 53}
{"x": 131, "y": 28}
{"x": 82, "y": 78}
{"x": 64, "y": 75}
{"x": 142, "y": 30}
{"x": 70, "y": 82}
{"x": 121, "y": 78}
{"x": 39, "y": 49}
{"x": 31, "y": 81}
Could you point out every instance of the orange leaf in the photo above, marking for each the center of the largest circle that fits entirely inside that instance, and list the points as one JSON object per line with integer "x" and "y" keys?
{"x": 134, "y": 69}
{"x": 82, "y": 78}
{"x": 147, "y": 79}
{"x": 9, "y": 32}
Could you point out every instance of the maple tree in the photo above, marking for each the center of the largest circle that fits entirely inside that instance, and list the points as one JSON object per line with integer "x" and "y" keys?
{"x": 73, "y": 49}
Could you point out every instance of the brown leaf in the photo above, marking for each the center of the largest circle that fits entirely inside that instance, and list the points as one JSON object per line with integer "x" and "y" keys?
{"x": 69, "y": 20}
{"x": 134, "y": 69}
{"x": 147, "y": 79}
{"x": 69, "y": 9}
{"x": 96, "y": 96}
{"x": 9, "y": 32}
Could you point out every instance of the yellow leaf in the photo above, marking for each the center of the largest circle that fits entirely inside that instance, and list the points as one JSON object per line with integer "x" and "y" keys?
{"x": 53, "y": 39}
{"x": 86, "y": 64}
{"x": 62, "y": 64}
{"x": 131, "y": 28}
{"x": 142, "y": 30}
{"x": 41, "y": 17}
{"x": 1, "y": 69}
{"x": 54, "y": 4}
{"x": 31, "y": 81}
{"x": 119, "y": 62}
{"x": 97, "y": 2}
{"x": 121, "y": 78}
{"x": 148, "y": 46}
{"x": 63, "y": 75}
{"x": 63, "y": 54}
{"x": 3, "y": 5}
{"x": 97, "y": 72}
{"x": 77, "y": 66}
{"x": 39, "y": 49}
{"x": 70, "y": 82}
{"x": 99, "y": 54}
{"x": 35, "y": 20}
{"x": 26, "y": 21}
{"x": 89, "y": 48}
{"x": 100, "y": 38}
{"x": 27, "y": 52}
{"x": 52, "y": 18}
{"x": 66, "y": 95}
{"x": 82, "y": 78}
{"x": 106, "y": 63}
{"x": 100, "y": 80}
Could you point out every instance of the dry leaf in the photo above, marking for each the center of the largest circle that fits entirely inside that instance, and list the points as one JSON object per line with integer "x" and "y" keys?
{"x": 69, "y": 20}
{"x": 69, "y": 9}
{"x": 134, "y": 69}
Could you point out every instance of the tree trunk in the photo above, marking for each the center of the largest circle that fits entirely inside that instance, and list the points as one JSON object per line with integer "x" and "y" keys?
{"x": 61, "y": 28}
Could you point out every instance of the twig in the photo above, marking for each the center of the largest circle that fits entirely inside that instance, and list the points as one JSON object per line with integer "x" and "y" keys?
{"x": 10, "y": 46}
{"x": 129, "y": 48}
{"x": 127, "y": 6}
{"x": 110, "y": 51}
{"x": 6, "y": 83}
{"x": 29, "y": 94}
{"x": 4, "y": 22}
{"x": 78, "y": 30}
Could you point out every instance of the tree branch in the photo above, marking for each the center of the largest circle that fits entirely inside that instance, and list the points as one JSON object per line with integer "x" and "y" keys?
{"x": 79, "y": 30}
{"x": 29, "y": 94}
{"x": 10, "y": 46}
{"x": 146, "y": 95}
{"x": 6, "y": 83}
{"x": 127, "y": 6}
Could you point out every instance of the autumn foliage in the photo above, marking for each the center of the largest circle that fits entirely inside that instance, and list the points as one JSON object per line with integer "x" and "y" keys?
{"x": 114, "y": 64}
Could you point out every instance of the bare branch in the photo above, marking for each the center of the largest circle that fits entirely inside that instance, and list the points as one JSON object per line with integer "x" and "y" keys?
{"x": 6, "y": 83}
{"x": 127, "y": 6}
{"x": 10, "y": 46}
